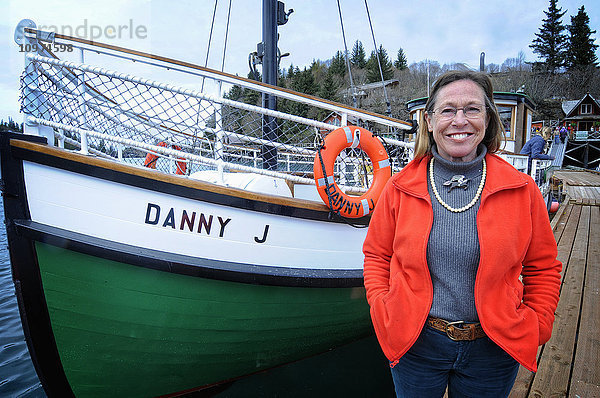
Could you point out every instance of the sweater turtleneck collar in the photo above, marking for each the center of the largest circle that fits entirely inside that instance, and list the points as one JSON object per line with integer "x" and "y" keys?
{"x": 446, "y": 168}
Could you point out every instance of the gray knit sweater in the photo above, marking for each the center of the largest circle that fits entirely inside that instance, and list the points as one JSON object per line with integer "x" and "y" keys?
{"x": 453, "y": 246}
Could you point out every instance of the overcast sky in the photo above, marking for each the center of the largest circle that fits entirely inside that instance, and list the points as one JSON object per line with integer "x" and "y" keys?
{"x": 442, "y": 31}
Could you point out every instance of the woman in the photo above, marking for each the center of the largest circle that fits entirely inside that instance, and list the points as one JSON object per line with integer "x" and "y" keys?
{"x": 535, "y": 147}
{"x": 460, "y": 260}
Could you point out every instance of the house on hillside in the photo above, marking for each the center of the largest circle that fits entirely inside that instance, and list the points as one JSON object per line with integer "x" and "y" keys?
{"x": 336, "y": 119}
{"x": 582, "y": 117}
{"x": 363, "y": 91}
{"x": 516, "y": 113}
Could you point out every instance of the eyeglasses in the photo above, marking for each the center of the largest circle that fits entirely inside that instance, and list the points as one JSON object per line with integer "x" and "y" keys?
{"x": 470, "y": 112}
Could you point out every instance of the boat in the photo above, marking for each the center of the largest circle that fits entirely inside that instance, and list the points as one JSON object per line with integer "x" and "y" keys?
{"x": 165, "y": 239}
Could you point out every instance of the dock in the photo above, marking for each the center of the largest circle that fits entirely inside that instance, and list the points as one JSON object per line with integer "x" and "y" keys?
{"x": 569, "y": 363}
{"x": 580, "y": 185}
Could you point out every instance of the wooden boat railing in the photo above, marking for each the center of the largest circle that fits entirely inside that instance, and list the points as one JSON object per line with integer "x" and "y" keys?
{"x": 124, "y": 117}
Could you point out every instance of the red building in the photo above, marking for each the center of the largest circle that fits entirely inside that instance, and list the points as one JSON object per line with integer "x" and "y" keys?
{"x": 582, "y": 117}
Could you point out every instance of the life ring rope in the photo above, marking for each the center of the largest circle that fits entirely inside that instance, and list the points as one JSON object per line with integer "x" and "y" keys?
{"x": 326, "y": 181}
{"x": 339, "y": 203}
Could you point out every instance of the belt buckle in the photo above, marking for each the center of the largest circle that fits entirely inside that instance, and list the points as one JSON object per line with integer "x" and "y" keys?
{"x": 448, "y": 329}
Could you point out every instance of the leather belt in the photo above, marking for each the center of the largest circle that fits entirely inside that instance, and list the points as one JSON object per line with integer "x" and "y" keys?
{"x": 457, "y": 331}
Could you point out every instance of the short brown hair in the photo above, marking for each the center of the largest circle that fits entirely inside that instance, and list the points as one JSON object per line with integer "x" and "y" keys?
{"x": 494, "y": 133}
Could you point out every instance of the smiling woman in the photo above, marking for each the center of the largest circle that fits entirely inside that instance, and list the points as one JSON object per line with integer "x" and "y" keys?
{"x": 458, "y": 134}
{"x": 443, "y": 251}
{"x": 442, "y": 119}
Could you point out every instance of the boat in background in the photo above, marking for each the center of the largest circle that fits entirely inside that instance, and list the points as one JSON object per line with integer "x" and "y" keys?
{"x": 164, "y": 239}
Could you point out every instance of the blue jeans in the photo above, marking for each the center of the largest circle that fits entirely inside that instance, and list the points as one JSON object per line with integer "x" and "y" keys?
{"x": 477, "y": 368}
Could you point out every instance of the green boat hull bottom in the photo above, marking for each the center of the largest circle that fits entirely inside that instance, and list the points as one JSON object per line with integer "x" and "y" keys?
{"x": 123, "y": 330}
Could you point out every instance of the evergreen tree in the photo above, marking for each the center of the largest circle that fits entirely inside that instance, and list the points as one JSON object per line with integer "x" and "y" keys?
{"x": 329, "y": 88}
{"x": 281, "y": 77}
{"x": 303, "y": 82}
{"x": 358, "y": 57}
{"x": 400, "y": 62}
{"x": 551, "y": 42}
{"x": 290, "y": 72}
{"x": 11, "y": 125}
{"x": 373, "y": 74}
{"x": 338, "y": 64}
{"x": 581, "y": 50}
{"x": 250, "y": 96}
{"x": 236, "y": 93}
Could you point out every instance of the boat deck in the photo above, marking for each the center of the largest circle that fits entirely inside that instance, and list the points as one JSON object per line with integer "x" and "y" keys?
{"x": 569, "y": 364}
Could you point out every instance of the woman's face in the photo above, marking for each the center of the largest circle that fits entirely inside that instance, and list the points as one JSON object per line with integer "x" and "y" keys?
{"x": 457, "y": 137}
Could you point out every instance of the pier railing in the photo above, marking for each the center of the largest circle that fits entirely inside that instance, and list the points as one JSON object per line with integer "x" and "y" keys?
{"x": 586, "y": 135}
{"x": 541, "y": 173}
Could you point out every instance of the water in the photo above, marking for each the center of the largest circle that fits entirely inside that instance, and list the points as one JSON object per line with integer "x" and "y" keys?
{"x": 17, "y": 375}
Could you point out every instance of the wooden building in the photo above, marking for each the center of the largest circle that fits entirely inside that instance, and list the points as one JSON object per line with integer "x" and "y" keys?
{"x": 582, "y": 118}
{"x": 583, "y": 121}
{"x": 335, "y": 118}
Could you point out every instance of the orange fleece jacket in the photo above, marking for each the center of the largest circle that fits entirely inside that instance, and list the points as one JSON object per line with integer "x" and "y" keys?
{"x": 518, "y": 278}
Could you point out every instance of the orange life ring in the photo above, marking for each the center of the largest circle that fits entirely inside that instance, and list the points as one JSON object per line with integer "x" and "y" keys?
{"x": 330, "y": 192}
{"x": 151, "y": 159}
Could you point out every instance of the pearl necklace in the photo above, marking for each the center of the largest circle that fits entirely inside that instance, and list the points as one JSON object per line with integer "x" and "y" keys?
{"x": 446, "y": 205}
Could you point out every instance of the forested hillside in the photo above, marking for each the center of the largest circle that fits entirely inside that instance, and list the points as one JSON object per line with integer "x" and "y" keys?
{"x": 566, "y": 69}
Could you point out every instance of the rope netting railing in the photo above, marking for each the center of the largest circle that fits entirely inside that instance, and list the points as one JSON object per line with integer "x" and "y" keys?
{"x": 127, "y": 118}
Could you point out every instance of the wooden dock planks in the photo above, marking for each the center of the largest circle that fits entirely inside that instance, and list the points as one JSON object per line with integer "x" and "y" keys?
{"x": 569, "y": 364}
{"x": 552, "y": 379}
{"x": 585, "y": 379}
{"x": 583, "y": 187}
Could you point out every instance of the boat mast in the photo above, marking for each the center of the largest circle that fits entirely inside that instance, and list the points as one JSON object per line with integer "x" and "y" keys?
{"x": 273, "y": 15}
